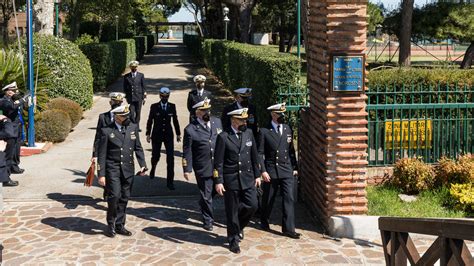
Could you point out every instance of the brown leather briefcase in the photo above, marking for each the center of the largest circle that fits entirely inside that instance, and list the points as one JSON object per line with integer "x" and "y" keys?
{"x": 90, "y": 175}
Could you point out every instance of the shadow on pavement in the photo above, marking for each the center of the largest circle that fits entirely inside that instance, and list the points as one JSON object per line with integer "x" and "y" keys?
{"x": 71, "y": 201}
{"x": 180, "y": 235}
{"x": 76, "y": 224}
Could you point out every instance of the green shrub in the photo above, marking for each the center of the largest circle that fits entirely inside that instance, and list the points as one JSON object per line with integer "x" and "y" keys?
{"x": 397, "y": 78}
{"x": 53, "y": 125}
{"x": 71, "y": 74}
{"x": 449, "y": 171}
{"x": 412, "y": 175}
{"x": 140, "y": 44}
{"x": 72, "y": 108}
{"x": 151, "y": 41}
{"x": 463, "y": 197}
{"x": 108, "y": 60}
{"x": 243, "y": 65}
{"x": 86, "y": 39}
{"x": 99, "y": 55}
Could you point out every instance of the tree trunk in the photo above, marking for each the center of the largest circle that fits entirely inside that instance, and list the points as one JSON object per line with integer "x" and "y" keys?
{"x": 291, "y": 41}
{"x": 245, "y": 10}
{"x": 44, "y": 17}
{"x": 405, "y": 33}
{"x": 282, "y": 31}
{"x": 468, "y": 57}
{"x": 5, "y": 32}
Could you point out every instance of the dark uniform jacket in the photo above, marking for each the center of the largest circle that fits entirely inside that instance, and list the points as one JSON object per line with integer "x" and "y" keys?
{"x": 10, "y": 110}
{"x": 116, "y": 151}
{"x": 193, "y": 99}
{"x": 160, "y": 121}
{"x": 277, "y": 152}
{"x": 7, "y": 131}
{"x": 105, "y": 119}
{"x": 252, "y": 122}
{"x": 236, "y": 161}
{"x": 198, "y": 147}
{"x": 134, "y": 88}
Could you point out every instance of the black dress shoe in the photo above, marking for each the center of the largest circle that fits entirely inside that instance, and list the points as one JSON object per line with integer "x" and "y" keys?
{"x": 152, "y": 173}
{"x": 123, "y": 231}
{"x": 234, "y": 247}
{"x": 241, "y": 235}
{"x": 293, "y": 235}
{"x": 110, "y": 232}
{"x": 208, "y": 227}
{"x": 17, "y": 171}
{"x": 265, "y": 226}
{"x": 10, "y": 183}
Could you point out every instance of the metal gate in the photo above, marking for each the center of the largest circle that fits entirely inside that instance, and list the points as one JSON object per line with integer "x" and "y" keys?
{"x": 422, "y": 121}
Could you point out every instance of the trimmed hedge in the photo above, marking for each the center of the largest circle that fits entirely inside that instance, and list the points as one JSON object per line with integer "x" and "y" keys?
{"x": 243, "y": 65}
{"x": 108, "y": 60}
{"x": 53, "y": 125}
{"x": 71, "y": 74}
{"x": 397, "y": 77}
{"x": 72, "y": 108}
{"x": 151, "y": 41}
{"x": 140, "y": 44}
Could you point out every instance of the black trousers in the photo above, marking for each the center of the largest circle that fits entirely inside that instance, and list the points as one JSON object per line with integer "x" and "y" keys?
{"x": 156, "y": 144}
{"x": 118, "y": 189}
{"x": 240, "y": 205}
{"x": 136, "y": 110}
{"x": 206, "y": 187}
{"x": 12, "y": 152}
{"x": 270, "y": 190}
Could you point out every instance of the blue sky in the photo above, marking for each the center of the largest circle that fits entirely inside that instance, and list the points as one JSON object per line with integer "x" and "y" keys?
{"x": 185, "y": 16}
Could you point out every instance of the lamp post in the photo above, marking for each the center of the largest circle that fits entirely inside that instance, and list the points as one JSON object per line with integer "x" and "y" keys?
{"x": 378, "y": 30}
{"x": 135, "y": 26}
{"x": 116, "y": 27}
{"x": 225, "y": 10}
{"x": 56, "y": 8}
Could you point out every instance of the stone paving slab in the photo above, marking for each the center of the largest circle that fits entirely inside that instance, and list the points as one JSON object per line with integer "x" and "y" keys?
{"x": 167, "y": 231}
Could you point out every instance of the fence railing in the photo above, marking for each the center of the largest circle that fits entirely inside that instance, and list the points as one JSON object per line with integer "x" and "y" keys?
{"x": 449, "y": 247}
{"x": 419, "y": 121}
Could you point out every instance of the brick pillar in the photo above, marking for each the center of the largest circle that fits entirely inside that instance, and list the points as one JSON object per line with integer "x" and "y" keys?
{"x": 333, "y": 135}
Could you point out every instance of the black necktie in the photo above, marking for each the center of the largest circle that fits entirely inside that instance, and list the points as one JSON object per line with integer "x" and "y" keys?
{"x": 122, "y": 130}
{"x": 278, "y": 128}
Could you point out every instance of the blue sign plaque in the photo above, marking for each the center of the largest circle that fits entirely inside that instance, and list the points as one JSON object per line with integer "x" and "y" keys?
{"x": 347, "y": 73}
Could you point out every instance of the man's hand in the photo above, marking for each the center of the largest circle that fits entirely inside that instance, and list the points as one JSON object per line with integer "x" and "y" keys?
{"x": 143, "y": 171}
{"x": 3, "y": 145}
{"x": 178, "y": 138}
{"x": 148, "y": 138}
{"x": 258, "y": 182}
{"x": 295, "y": 172}
{"x": 266, "y": 177}
{"x": 102, "y": 181}
{"x": 187, "y": 175}
{"x": 2, "y": 117}
{"x": 220, "y": 189}
{"x": 93, "y": 159}
{"x": 144, "y": 95}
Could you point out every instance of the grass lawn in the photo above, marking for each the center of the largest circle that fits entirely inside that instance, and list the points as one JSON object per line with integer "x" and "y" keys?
{"x": 384, "y": 201}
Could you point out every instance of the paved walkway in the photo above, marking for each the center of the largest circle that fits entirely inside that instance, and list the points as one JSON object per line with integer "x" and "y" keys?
{"x": 51, "y": 218}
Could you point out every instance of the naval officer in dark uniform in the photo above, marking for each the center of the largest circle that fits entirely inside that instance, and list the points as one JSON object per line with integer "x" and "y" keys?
{"x": 135, "y": 91}
{"x": 236, "y": 175}
{"x": 12, "y": 104}
{"x": 116, "y": 167}
{"x": 105, "y": 119}
{"x": 159, "y": 131}
{"x": 279, "y": 168}
{"x": 197, "y": 95}
{"x": 198, "y": 153}
{"x": 242, "y": 100}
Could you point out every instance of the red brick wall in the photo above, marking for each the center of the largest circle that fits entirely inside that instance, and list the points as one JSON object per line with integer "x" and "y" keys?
{"x": 333, "y": 135}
